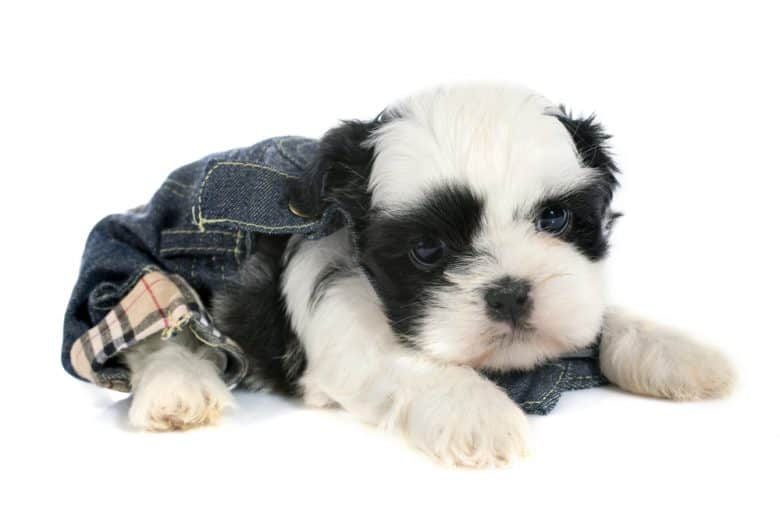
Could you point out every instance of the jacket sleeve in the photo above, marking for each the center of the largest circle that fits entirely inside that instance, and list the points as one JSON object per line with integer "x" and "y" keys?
{"x": 121, "y": 249}
{"x": 192, "y": 235}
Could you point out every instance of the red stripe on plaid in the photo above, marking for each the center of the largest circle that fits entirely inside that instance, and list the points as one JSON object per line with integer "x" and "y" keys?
{"x": 127, "y": 309}
{"x": 157, "y": 304}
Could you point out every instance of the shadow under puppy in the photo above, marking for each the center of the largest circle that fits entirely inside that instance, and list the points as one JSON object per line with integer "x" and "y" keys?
{"x": 478, "y": 224}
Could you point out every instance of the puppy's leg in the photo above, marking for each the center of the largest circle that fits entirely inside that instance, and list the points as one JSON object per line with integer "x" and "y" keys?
{"x": 174, "y": 386}
{"x": 355, "y": 360}
{"x": 647, "y": 358}
{"x": 449, "y": 412}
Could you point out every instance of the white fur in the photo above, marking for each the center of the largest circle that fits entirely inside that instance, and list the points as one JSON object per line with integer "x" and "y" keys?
{"x": 568, "y": 296}
{"x": 174, "y": 386}
{"x": 647, "y": 358}
{"x": 503, "y": 143}
{"x": 354, "y": 359}
{"x": 499, "y": 140}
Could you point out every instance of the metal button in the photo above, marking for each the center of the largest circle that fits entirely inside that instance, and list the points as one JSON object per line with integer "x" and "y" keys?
{"x": 296, "y": 211}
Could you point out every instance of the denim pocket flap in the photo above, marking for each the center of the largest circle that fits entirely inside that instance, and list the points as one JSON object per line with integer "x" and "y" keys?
{"x": 250, "y": 196}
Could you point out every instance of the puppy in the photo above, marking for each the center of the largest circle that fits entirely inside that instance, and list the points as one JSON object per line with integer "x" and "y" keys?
{"x": 480, "y": 219}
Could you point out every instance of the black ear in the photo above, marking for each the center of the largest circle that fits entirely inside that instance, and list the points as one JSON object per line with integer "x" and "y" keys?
{"x": 339, "y": 172}
{"x": 592, "y": 144}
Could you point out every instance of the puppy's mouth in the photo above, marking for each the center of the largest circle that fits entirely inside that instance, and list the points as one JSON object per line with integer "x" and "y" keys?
{"x": 502, "y": 337}
{"x": 508, "y": 334}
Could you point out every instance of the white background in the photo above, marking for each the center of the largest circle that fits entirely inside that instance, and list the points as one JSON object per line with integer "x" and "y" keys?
{"x": 99, "y": 103}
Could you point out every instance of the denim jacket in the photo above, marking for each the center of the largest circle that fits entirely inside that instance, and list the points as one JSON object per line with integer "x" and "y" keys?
{"x": 153, "y": 270}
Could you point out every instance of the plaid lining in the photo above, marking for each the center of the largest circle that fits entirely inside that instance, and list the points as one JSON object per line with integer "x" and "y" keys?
{"x": 158, "y": 303}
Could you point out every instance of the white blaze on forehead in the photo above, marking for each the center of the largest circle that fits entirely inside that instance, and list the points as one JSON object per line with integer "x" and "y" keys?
{"x": 500, "y": 141}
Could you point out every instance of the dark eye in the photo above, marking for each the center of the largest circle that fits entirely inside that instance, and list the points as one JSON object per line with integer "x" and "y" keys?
{"x": 428, "y": 252}
{"x": 553, "y": 219}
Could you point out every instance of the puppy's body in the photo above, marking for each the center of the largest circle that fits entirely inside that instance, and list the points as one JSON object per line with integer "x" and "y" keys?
{"x": 479, "y": 226}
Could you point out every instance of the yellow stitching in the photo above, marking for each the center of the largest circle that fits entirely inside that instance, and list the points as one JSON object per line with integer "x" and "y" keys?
{"x": 263, "y": 167}
{"x": 194, "y": 332}
{"x": 174, "y": 329}
{"x": 195, "y": 218}
{"x": 200, "y": 197}
{"x": 177, "y": 183}
{"x": 235, "y": 249}
{"x": 555, "y": 386}
{"x": 184, "y": 249}
{"x": 251, "y": 165}
{"x": 196, "y": 232}
{"x": 201, "y": 220}
{"x": 253, "y": 225}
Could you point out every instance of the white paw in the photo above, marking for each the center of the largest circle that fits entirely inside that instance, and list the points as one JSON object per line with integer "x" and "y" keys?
{"x": 467, "y": 422}
{"x": 656, "y": 360}
{"x": 710, "y": 375}
{"x": 171, "y": 397}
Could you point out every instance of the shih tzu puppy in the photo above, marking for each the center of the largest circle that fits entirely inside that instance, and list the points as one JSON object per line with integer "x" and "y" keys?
{"x": 480, "y": 221}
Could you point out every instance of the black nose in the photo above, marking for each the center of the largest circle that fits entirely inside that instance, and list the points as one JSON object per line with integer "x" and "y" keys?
{"x": 509, "y": 300}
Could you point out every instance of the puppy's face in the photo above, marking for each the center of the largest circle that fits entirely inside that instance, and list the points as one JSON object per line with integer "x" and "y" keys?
{"x": 485, "y": 225}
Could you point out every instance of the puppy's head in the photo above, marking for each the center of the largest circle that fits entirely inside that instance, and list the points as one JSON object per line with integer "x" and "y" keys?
{"x": 482, "y": 216}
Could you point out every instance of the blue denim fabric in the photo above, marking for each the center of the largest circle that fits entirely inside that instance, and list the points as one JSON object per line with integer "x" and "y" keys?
{"x": 539, "y": 390}
{"x": 200, "y": 224}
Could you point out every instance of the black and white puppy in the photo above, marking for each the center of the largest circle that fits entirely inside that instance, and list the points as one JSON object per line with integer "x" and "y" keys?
{"x": 481, "y": 223}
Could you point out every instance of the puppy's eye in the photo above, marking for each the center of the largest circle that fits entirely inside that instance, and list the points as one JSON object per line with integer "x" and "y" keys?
{"x": 428, "y": 252}
{"x": 553, "y": 219}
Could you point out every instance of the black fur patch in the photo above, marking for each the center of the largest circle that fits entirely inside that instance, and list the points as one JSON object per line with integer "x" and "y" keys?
{"x": 339, "y": 173}
{"x": 251, "y": 311}
{"x": 592, "y": 216}
{"x": 452, "y": 214}
{"x": 592, "y": 143}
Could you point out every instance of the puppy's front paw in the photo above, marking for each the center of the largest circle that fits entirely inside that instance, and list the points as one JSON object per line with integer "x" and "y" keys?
{"x": 710, "y": 376}
{"x": 648, "y": 358}
{"x": 468, "y": 423}
{"x": 168, "y": 398}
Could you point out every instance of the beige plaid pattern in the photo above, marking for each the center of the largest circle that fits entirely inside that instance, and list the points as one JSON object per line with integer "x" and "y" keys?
{"x": 155, "y": 305}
